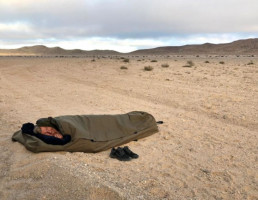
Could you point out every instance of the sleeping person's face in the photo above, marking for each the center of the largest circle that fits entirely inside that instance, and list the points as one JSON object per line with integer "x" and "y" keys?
{"x": 45, "y": 130}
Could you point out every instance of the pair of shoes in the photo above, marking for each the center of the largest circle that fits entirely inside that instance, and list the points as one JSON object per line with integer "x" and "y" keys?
{"x": 122, "y": 154}
{"x": 119, "y": 154}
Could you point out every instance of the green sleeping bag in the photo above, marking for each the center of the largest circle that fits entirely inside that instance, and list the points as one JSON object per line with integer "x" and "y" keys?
{"x": 92, "y": 133}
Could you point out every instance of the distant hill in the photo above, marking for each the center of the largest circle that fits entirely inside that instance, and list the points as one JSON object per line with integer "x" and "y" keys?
{"x": 239, "y": 47}
{"x": 41, "y": 50}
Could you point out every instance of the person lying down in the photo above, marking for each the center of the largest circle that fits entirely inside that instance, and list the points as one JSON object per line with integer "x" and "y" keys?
{"x": 85, "y": 133}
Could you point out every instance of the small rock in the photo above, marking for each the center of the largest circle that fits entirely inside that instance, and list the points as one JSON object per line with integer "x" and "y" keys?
{"x": 206, "y": 171}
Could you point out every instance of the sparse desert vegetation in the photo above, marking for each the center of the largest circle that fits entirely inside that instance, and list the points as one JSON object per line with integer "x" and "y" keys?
{"x": 148, "y": 68}
{"x": 209, "y": 112}
{"x": 123, "y": 67}
{"x": 189, "y": 64}
{"x": 126, "y": 60}
{"x": 250, "y": 63}
{"x": 165, "y": 65}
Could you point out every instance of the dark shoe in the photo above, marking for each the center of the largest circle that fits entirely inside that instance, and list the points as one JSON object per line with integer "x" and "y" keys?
{"x": 119, "y": 154}
{"x": 130, "y": 153}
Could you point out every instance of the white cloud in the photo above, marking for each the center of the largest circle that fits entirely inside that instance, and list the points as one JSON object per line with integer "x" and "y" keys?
{"x": 121, "y": 45}
{"x": 14, "y": 27}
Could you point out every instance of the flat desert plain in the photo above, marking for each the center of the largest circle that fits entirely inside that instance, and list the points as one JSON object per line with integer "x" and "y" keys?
{"x": 206, "y": 148}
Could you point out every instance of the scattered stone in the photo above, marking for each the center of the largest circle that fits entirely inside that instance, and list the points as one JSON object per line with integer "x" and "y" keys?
{"x": 206, "y": 171}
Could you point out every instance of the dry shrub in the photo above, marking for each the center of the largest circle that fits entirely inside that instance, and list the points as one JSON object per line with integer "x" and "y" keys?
{"x": 165, "y": 65}
{"x": 250, "y": 63}
{"x": 148, "y": 68}
{"x": 189, "y": 64}
{"x": 123, "y": 67}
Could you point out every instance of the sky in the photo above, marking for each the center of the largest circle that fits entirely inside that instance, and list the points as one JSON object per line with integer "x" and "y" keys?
{"x": 125, "y": 25}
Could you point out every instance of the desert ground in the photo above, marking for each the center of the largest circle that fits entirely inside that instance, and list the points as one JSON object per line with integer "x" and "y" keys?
{"x": 206, "y": 148}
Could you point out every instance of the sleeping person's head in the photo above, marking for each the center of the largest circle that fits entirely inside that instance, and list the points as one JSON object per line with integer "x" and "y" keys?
{"x": 47, "y": 130}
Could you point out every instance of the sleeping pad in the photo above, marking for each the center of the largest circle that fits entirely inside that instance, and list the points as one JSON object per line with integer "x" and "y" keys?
{"x": 91, "y": 133}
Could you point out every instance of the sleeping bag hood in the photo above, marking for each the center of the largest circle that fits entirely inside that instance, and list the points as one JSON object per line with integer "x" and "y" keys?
{"x": 91, "y": 133}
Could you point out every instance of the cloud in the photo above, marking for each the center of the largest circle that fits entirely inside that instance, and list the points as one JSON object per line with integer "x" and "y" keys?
{"x": 148, "y": 20}
{"x": 122, "y": 45}
{"x": 14, "y": 27}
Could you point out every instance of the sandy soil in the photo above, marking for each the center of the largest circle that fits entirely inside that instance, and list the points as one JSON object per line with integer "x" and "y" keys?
{"x": 206, "y": 149}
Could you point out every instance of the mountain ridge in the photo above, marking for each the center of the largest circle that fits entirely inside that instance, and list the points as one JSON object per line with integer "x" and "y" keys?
{"x": 248, "y": 46}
